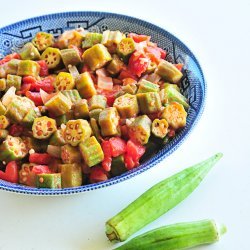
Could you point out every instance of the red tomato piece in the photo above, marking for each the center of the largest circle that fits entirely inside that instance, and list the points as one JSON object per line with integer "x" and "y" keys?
{"x": 118, "y": 146}
{"x": 125, "y": 73}
{"x": 45, "y": 84}
{"x": 139, "y": 38}
{"x": 124, "y": 132}
{"x": 16, "y": 130}
{"x": 129, "y": 81}
{"x": 40, "y": 158}
{"x": 179, "y": 66}
{"x": 44, "y": 70}
{"x": 129, "y": 162}
{"x": 79, "y": 50}
{"x": 9, "y": 57}
{"x": 138, "y": 63}
{"x": 41, "y": 169}
{"x": 97, "y": 174}
{"x": 11, "y": 172}
{"x": 35, "y": 97}
{"x": 110, "y": 94}
{"x": 107, "y": 151}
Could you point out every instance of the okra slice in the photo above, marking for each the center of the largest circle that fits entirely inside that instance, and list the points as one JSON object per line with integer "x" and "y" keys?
{"x": 28, "y": 68}
{"x": 43, "y": 127}
{"x": 3, "y": 133}
{"x": 52, "y": 57}
{"x": 167, "y": 84}
{"x": 77, "y": 131}
{"x": 70, "y": 37}
{"x": 160, "y": 128}
{"x": 97, "y": 102}
{"x": 4, "y": 122}
{"x": 57, "y": 138}
{"x": 95, "y": 113}
{"x": 43, "y": 40}
{"x": 129, "y": 88}
{"x": 48, "y": 181}
{"x": 109, "y": 121}
{"x": 26, "y": 176}
{"x": 63, "y": 119}
{"x": 70, "y": 57}
{"x": 2, "y": 84}
{"x": 96, "y": 56}
{"x": 59, "y": 104}
{"x": 70, "y": 154}
{"x": 171, "y": 94}
{"x": 12, "y": 148}
{"x": 81, "y": 109}
{"x": 125, "y": 48}
{"x": 140, "y": 128}
{"x": 127, "y": 105}
{"x": 64, "y": 81}
{"x": 73, "y": 95}
{"x": 115, "y": 66}
{"x": 71, "y": 175}
{"x": 2, "y": 109}
{"x": 91, "y": 39}
{"x": 85, "y": 85}
{"x": 91, "y": 151}
{"x": 151, "y": 67}
{"x": 12, "y": 66}
{"x": 34, "y": 144}
{"x": 118, "y": 166}
{"x": 95, "y": 128}
{"x": 175, "y": 115}
{"x": 168, "y": 72}
{"x": 29, "y": 52}
{"x": 149, "y": 102}
{"x": 13, "y": 80}
{"x": 146, "y": 86}
{"x": 112, "y": 37}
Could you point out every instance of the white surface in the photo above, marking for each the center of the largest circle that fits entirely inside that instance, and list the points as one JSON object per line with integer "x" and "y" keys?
{"x": 218, "y": 33}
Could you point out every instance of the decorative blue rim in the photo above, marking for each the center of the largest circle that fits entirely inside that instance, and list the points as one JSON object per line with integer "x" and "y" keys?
{"x": 193, "y": 73}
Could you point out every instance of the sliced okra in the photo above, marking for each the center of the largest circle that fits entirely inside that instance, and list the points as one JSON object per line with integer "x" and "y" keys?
{"x": 12, "y": 66}
{"x": 97, "y": 102}
{"x": 64, "y": 81}
{"x": 57, "y": 138}
{"x": 71, "y": 175}
{"x": 127, "y": 105}
{"x": 149, "y": 102}
{"x": 12, "y": 148}
{"x": 95, "y": 113}
{"x": 13, "y": 80}
{"x": 140, "y": 128}
{"x": 81, "y": 109}
{"x": 70, "y": 57}
{"x": 96, "y": 56}
{"x": 91, "y": 39}
{"x": 29, "y": 52}
{"x": 125, "y": 48}
{"x": 70, "y": 154}
{"x": 63, "y": 119}
{"x": 43, "y": 127}
{"x": 70, "y": 37}
{"x": 2, "y": 84}
{"x": 43, "y": 40}
{"x": 3, "y": 133}
{"x": 28, "y": 68}
{"x": 168, "y": 72}
{"x": 26, "y": 176}
{"x": 109, "y": 121}
{"x": 175, "y": 115}
{"x": 159, "y": 128}
{"x": 95, "y": 128}
{"x": 59, "y": 104}
{"x": 112, "y": 37}
{"x": 52, "y": 57}
{"x": 2, "y": 109}
{"x": 77, "y": 131}
{"x": 146, "y": 86}
{"x": 129, "y": 89}
{"x": 4, "y": 122}
{"x": 151, "y": 67}
{"x": 72, "y": 94}
{"x": 115, "y": 66}
{"x": 167, "y": 84}
{"x": 34, "y": 144}
{"x": 48, "y": 180}
{"x": 85, "y": 85}
{"x": 91, "y": 151}
{"x": 118, "y": 166}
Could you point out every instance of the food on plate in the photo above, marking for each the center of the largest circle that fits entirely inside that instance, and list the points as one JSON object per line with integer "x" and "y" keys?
{"x": 85, "y": 107}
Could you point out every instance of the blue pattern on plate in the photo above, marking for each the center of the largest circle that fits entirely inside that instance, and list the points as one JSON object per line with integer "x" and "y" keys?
{"x": 193, "y": 85}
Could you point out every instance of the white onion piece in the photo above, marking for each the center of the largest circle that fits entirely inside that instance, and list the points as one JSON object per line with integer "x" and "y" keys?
{"x": 73, "y": 71}
{"x": 105, "y": 82}
{"x": 9, "y": 96}
{"x": 101, "y": 72}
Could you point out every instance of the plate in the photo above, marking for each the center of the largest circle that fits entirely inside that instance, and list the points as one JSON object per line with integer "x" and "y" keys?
{"x": 193, "y": 85}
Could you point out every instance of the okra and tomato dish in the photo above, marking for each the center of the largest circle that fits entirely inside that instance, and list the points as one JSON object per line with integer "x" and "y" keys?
{"x": 85, "y": 107}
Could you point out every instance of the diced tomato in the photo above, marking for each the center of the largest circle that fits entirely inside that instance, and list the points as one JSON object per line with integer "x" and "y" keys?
{"x": 41, "y": 169}
{"x": 125, "y": 73}
{"x": 44, "y": 69}
{"x": 40, "y": 158}
{"x": 154, "y": 116}
{"x": 45, "y": 84}
{"x": 171, "y": 133}
{"x": 138, "y": 63}
{"x": 9, "y": 57}
{"x": 35, "y": 97}
{"x": 107, "y": 151}
{"x": 105, "y": 82}
{"x": 85, "y": 68}
{"x": 139, "y": 38}
{"x": 179, "y": 66}
{"x": 11, "y": 172}
{"x": 97, "y": 174}
{"x": 110, "y": 94}
{"x": 118, "y": 146}
{"x": 16, "y": 130}
{"x": 124, "y": 132}
{"x": 129, "y": 162}
{"x": 24, "y": 87}
{"x": 79, "y": 50}
{"x": 129, "y": 81}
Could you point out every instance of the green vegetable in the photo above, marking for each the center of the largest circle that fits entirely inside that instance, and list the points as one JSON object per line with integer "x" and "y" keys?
{"x": 149, "y": 102}
{"x": 64, "y": 81}
{"x": 146, "y": 86}
{"x": 177, "y": 236}
{"x": 43, "y": 40}
{"x": 48, "y": 180}
{"x": 70, "y": 154}
{"x": 81, "y": 109}
{"x": 70, "y": 57}
{"x": 160, "y": 128}
{"x": 43, "y": 127}
{"x": 63, "y": 119}
{"x": 13, "y": 80}
{"x": 71, "y": 175}
{"x": 111, "y": 37}
{"x": 91, "y": 39}
{"x": 29, "y": 118}
{"x": 97, "y": 102}
{"x": 118, "y": 166}
{"x": 2, "y": 109}
{"x": 57, "y": 138}
{"x": 73, "y": 95}
{"x": 125, "y": 48}
{"x": 158, "y": 200}
{"x": 95, "y": 129}
{"x": 35, "y": 144}
{"x": 29, "y": 52}
{"x": 115, "y": 66}
{"x": 95, "y": 113}
{"x": 3, "y": 133}
{"x": 12, "y": 66}
{"x": 52, "y": 57}
{"x": 28, "y": 68}
{"x": 2, "y": 84}
{"x": 4, "y": 122}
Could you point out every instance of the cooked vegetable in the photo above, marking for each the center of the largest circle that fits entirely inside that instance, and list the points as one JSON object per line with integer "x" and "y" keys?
{"x": 29, "y": 52}
{"x": 48, "y": 180}
{"x": 70, "y": 154}
{"x": 52, "y": 57}
{"x": 158, "y": 200}
{"x": 2, "y": 84}
{"x": 43, "y": 127}
{"x": 3, "y": 133}
{"x": 97, "y": 102}
{"x": 12, "y": 66}
{"x": 111, "y": 37}
{"x": 64, "y": 81}
{"x": 28, "y": 68}
{"x": 57, "y": 138}
{"x": 118, "y": 166}
{"x": 72, "y": 94}
{"x": 63, "y": 119}
{"x": 13, "y": 80}
{"x": 149, "y": 102}
{"x": 69, "y": 38}
{"x": 125, "y": 48}
{"x": 160, "y": 127}
{"x": 91, "y": 39}
{"x": 71, "y": 175}
{"x": 11, "y": 172}
{"x": 4, "y": 122}
{"x": 26, "y": 176}
{"x": 81, "y": 109}
{"x": 146, "y": 86}
{"x": 95, "y": 129}
{"x": 95, "y": 113}
{"x": 70, "y": 57}
{"x": 2, "y": 109}
{"x": 115, "y": 66}
{"x": 178, "y": 236}
{"x": 43, "y": 40}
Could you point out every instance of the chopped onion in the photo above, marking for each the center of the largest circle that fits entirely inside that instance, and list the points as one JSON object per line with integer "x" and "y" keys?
{"x": 105, "y": 82}
{"x": 54, "y": 151}
{"x": 73, "y": 71}
{"x": 45, "y": 96}
{"x": 9, "y": 96}
{"x": 140, "y": 46}
{"x": 101, "y": 72}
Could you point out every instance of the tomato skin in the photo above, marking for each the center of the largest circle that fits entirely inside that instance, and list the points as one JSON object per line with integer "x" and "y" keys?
{"x": 139, "y": 38}
{"x": 35, "y": 97}
{"x": 40, "y": 158}
{"x": 106, "y": 148}
{"x": 118, "y": 146}
{"x": 179, "y": 66}
{"x": 129, "y": 81}
{"x": 138, "y": 63}
{"x": 45, "y": 84}
{"x": 11, "y": 172}
{"x": 16, "y": 130}
{"x": 44, "y": 70}
{"x": 97, "y": 174}
{"x": 109, "y": 94}
{"x": 125, "y": 73}
{"x": 9, "y": 57}
{"x": 41, "y": 169}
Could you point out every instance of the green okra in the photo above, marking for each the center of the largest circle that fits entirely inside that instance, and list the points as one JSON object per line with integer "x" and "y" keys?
{"x": 91, "y": 39}
{"x": 146, "y": 86}
{"x": 28, "y": 68}
{"x": 77, "y": 131}
{"x": 48, "y": 180}
{"x": 32, "y": 143}
{"x": 81, "y": 109}
{"x": 12, "y": 66}
{"x": 112, "y": 37}
{"x": 95, "y": 113}
{"x": 177, "y": 236}
{"x": 140, "y": 129}
{"x": 52, "y": 57}
{"x": 26, "y": 176}
{"x": 13, "y": 80}
{"x": 3, "y": 133}
{"x": 70, "y": 37}
{"x": 71, "y": 175}
{"x": 109, "y": 121}
{"x": 125, "y": 48}
{"x": 2, "y": 109}
{"x": 127, "y": 105}
{"x": 95, "y": 128}
{"x": 43, "y": 127}
{"x": 70, "y": 154}
{"x": 91, "y": 151}
{"x": 4, "y": 122}
{"x": 29, "y": 52}
{"x": 149, "y": 102}
{"x": 29, "y": 118}
{"x": 97, "y": 102}
{"x": 63, "y": 119}
{"x": 129, "y": 89}
{"x": 118, "y": 166}
{"x": 159, "y": 128}
{"x": 70, "y": 57}
{"x": 72, "y": 94}
{"x": 85, "y": 85}
{"x": 151, "y": 67}
{"x": 115, "y": 65}
{"x": 57, "y": 138}
{"x": 158, "y": 200}
{"x": 64, "y": 81}
{"x": 96, "y": 57}
{"x": 167, "y": 84}
{"x": 43, "y": 40}
{"x": 168, "y": 71}
{"x": 2, "y": 84}
{"x": 12, "y": 148}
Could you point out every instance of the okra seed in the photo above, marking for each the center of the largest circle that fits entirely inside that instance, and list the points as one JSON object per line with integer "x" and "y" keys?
{"x": 41, "y": 180}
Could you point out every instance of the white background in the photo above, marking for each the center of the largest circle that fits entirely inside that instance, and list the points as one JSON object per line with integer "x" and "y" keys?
{"x": 218, "y": 32}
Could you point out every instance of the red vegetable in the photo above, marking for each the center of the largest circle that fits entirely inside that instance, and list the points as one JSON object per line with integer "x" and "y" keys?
{"x": 16, "y": 130}
{"x": 138, "y": 63}
{"x": 118, "y": 146}
{"x": 11, "y": 172}
{"x": 110, "y": 94}
{"x": 125, "y": 73}
{"x": 45, "y": 84}
{"x": 179, "y": 66}
{"x": 41, "y": 169}
{"x": 44, "y": 70}
{"x": 40, "y": 158}
{"x": 106, "y": 163}
{"x": 9, "y": 57}
{"x": 97, "y": 174}
{"x": 35, "y": 97}
{"x": 139, "y": 38}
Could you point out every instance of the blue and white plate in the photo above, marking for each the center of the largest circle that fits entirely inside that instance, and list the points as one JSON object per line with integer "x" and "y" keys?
{"x": 193, "y": 85}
